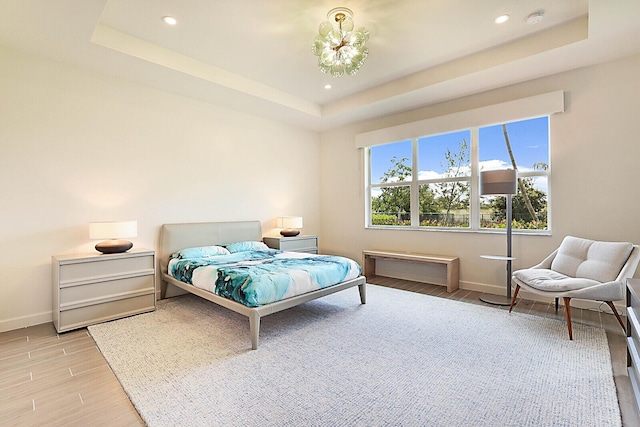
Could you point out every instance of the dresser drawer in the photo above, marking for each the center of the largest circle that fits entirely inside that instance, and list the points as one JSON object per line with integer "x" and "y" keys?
{"x": 300, "y": 243}
{"x": 634, "y": 302}
{"x": 633, "y": 340}
{"x": 632, "y": 352}
{"x": 105, "y": 290}
{"x": 96, "y": 313}
{"x": 293, "y": 244}
{"x": 98, "y": 268}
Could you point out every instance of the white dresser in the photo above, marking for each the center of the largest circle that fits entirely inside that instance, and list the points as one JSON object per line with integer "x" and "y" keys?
{"x": 307, "y": 244}
{"x": 93, "y": 288}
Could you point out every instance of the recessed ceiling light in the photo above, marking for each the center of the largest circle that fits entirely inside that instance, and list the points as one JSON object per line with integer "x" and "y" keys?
{"x": 327, "y": 86}
{"x": 169, "y": 20}
{"x": 501, "y": 19}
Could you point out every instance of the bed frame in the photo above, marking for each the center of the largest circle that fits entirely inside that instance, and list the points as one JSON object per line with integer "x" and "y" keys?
{"x": 174, "y": 237}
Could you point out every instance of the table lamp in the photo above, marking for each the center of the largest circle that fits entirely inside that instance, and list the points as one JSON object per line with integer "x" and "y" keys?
{"x": 290, "y": 225}
{"x": 114, "y": 233}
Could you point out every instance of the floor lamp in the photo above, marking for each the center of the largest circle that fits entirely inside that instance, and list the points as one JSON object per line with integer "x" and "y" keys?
{"x": 500, "y": 182}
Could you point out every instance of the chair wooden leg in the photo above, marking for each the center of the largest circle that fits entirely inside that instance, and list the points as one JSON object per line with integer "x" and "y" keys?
{"x": 513, "y": 300}
{"x": 557, "y": 304}
{"x": 613, "y": 307}
{"x": 567, "y": 311}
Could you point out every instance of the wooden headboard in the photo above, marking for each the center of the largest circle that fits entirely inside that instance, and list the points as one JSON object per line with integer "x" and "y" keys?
{"x": 174, "y": 237}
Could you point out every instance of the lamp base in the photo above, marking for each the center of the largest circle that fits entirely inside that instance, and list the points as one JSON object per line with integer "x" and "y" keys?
{"x": 495, "y": 299}
{"x": 114, "y": 246}
{"x": 289, "y": 232}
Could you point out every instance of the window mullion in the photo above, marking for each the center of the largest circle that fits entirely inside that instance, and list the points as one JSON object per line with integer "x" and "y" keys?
{"x": 474, "y": 220}
{"x": 415, "y": 193}
{"x": 367, "y": 184}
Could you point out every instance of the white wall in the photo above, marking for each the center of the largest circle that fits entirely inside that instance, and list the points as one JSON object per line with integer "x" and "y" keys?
{"x": 77, "y": 146}
{"x": 594, "y": 182}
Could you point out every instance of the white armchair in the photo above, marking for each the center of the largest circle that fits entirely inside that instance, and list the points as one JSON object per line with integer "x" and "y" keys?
{"x": 583, "y": 269}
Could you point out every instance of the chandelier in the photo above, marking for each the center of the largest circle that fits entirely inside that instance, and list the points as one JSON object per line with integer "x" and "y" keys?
{"x": 340, "y": 50}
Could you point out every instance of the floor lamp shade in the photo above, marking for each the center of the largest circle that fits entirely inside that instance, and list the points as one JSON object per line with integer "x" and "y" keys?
{"x": 290, "y": 225}
{"x": 114, "y": 232}
{"x": 501, "y": 181}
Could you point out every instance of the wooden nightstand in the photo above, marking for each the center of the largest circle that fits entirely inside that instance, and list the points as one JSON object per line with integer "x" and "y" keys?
{"x": 307, "y": 244}
{"x": 94, "y": 288}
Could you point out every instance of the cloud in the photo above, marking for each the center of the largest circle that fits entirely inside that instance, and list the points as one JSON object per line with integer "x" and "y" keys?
{"x": 539, "y": 182}
{"x": 493, "y": 164}
{"x": 429, "y": 175}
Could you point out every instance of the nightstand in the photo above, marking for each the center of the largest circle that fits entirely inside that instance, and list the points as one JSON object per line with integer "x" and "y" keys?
{"x": 307, "y": 244}
{"x": 94, "y": 288}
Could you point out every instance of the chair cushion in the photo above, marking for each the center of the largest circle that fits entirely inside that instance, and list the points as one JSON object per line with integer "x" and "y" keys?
{"x": 601, "y": 261}
{"x": 551, "y": 281}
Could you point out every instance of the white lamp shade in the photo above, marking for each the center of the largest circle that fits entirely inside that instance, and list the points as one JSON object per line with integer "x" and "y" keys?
{"x": 501, "y": 181}
{"x": 290, "y": 222}
{"x": 113, "y": 230}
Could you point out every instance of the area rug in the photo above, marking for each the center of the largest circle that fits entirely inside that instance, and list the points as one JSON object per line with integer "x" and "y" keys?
{"x": 403, "y": 359}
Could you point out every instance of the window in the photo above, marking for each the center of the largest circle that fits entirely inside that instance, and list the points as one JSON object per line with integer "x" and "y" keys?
{"x": 391, "y": 196}
{"x": 444, "y": 179}
{"x": 432, "y": 181}
{"x": 523, "y": 145}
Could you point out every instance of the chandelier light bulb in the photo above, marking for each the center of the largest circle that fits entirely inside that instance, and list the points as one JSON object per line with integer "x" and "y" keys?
{"x": 340, "y": 49}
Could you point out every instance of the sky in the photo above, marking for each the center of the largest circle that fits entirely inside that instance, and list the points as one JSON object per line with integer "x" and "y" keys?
{"x": 528, "y": 138}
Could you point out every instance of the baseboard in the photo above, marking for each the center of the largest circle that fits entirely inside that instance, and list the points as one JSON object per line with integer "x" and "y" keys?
{"x": 46, "y": 317}
{"x": 577, "y": 303}
{"x": 25, "y": 321}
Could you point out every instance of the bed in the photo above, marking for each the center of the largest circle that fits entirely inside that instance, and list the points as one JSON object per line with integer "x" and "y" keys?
{"x": 176, "y": 237}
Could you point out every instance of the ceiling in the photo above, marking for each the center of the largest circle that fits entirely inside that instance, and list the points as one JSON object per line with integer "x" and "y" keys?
{"x": 255, "y": 55}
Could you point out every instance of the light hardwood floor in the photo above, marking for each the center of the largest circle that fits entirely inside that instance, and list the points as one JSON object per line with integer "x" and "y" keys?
{"x": 59, "y": 380}
{"x": 63, "y": 380}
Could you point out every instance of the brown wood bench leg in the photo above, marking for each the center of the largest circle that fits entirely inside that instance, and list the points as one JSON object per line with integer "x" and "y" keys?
{"x": 369, "y": 266}
{"x": 453, "y": 280}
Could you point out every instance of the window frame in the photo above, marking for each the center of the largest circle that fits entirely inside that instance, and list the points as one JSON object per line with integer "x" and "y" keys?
{"x": 474, "y": 184}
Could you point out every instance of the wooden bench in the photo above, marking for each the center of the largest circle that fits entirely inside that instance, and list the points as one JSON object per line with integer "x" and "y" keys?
{"x": 452, "y": 263}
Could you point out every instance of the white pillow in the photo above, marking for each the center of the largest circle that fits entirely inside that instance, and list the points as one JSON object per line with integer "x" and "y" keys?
{"x": 200, "y": 252}
{"x": 246, "y": 246}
